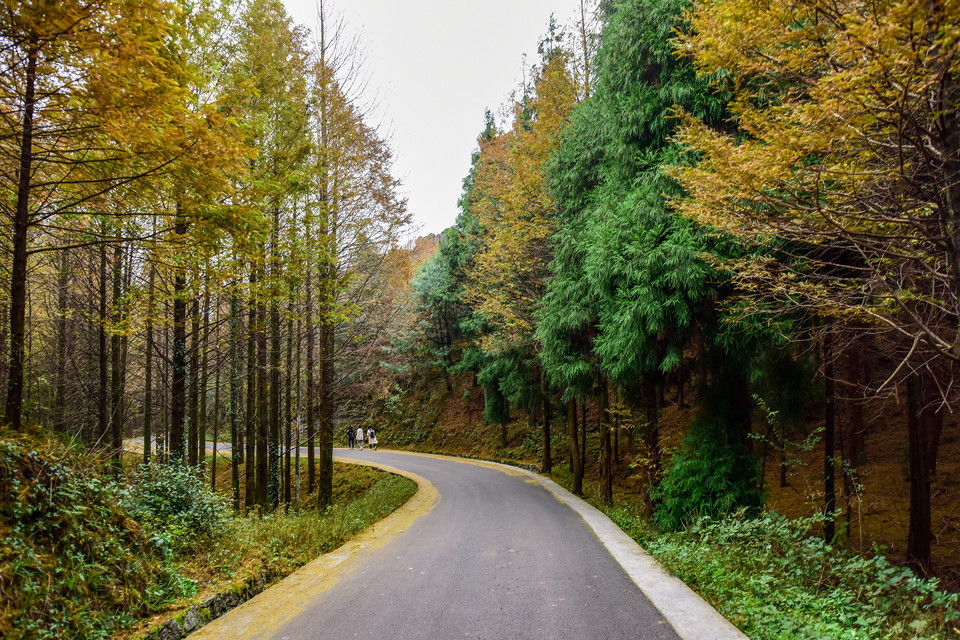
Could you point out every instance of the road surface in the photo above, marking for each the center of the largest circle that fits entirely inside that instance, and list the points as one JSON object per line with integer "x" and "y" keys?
{"x": 489, "y": 553}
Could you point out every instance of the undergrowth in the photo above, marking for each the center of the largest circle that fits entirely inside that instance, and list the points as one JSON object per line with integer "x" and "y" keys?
{"x": 775, "y": 581}
{"x": 279, "y": 543}
{"x": 73, "y": 563}
{"x": 83, "y": 555}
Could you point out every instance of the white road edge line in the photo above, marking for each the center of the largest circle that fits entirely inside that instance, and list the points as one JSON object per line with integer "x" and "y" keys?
{"x": 689, "y": 614}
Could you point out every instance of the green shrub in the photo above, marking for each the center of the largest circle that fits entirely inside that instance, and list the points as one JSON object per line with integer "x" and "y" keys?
{"x": 72, "y": 564}
{"x": 775, "y": 581}
{"x": 175, "y": 505}
{"x": 707, "y": 477}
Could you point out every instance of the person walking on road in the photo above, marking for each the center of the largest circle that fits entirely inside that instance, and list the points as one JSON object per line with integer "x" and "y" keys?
{"x": 351, "y": 437}
{"x": 372, "y": 438}
{"x": 360, "y": 437}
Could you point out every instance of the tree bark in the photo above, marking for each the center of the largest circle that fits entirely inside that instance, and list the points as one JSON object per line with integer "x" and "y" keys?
{"x": 194, "y": 383}
{"x": 576, "y": 463}
{"x": 148, "y": 369}
{"x": 603, "y": 421}
{"x": 924, "y": 425}
{"x": 311, "y": 385}
{"x": 235, "y": 390}
{"x": 829, "y": 440}
{"x": 103, "y": 355}
{"x": 178, "y": 385}
{"x": 251, "y": 404}
{"x": 116, "y": 362}
{"x": 546, "y": 462}
{"x": 202, "y": 381}
{"x": 275, "y": 360}
{"x": 21, "y": 223}
{"x": 263, "y": 416}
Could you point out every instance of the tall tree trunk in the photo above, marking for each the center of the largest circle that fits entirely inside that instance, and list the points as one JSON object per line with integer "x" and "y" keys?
{"x": 296, "y": 471}
{"x": 583, "y": 440}
{"x": 263, "y": 416}
{"x": 829, "y": 440}
{"x": 603, "y": 421}
{"x": 652, "y": 429}
{"x": 235, "y": 390}
{"x": 116, "y": 362}
{"x": 250, "y": 494}
{"x": 148, "y": 368}
{"x": 202, "y": 381}
{"x": 275, "y": 359}
{"x": 63, "y": 328}
{"x": 216, "y": 431}
{"x": 924, "y": 426}
{"x": 178, "y": 386}
{"x": 325, "y": 480}
{"x": 195, "y": 382}
{"x": 103, "y": 356}
{"x": 575, "y": 461}
{"x": 21, "y": 223}
{"x": 311, "y": 385}
{"x": 288, "y": 406}
{"x": 546, "y": 463}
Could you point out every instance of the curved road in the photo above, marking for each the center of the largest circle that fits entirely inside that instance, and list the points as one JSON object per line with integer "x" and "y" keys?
{"x": 493, "y": 554}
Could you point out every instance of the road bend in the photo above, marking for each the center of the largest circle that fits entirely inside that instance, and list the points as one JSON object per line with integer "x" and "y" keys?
{"x": 496, "y": 557}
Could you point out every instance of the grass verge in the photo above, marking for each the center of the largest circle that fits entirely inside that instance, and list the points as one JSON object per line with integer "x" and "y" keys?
{"x": 85, "y": 554}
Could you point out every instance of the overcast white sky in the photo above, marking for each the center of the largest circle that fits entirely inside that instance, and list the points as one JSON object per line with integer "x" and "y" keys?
{"x": 435, "y": 65}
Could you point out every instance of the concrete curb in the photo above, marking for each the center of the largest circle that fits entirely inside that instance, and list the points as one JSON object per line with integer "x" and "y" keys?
{"x": 691, "y": 616}
{"x": 260, "y": 616}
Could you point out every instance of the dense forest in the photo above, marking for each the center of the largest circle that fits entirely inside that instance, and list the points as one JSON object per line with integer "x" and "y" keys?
{"x": 201, "y": 230}
{"x": 749, "y": 207}
{"x": 699, "y": 238}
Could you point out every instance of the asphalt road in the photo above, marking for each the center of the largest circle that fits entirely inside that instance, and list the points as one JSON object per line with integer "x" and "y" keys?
{"x": 496, "y": 557}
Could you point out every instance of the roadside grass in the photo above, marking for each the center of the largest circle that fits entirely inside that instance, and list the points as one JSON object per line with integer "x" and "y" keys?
{"x": 771, "y": 576}
{"x": 278, "y": 543}
{"x": 85, "y": 556}
{"x": 776, "y": 581}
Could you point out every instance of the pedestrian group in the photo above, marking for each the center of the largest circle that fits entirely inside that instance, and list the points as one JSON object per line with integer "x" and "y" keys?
{"x": 358, "y": 435}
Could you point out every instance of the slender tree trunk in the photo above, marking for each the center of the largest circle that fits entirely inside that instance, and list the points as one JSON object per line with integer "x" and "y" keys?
{"x": 576, "y": 462}
{"x": 235, "y": 390}
{"x": 195, "y": 383}
{"x": 583, "y": 440}
{"x": 116, "y": 362}
{"x": 288, "y": 406}
{"x": 311, "y": 385}
{"x": 924, "y": 426}
{"x": 21, "y": 223}
{"x": 275, "y": 360}
{"x": 263, "y": 415}
{"x": 148, "y": 369}
{"x": 250, "y": 497}
{"x": 546, "y": 463}
{"x": 216, "y": 400}
{"x": 652, "y": 429}
{"x": 103, "y": 355}
{"x": 296, "y": 472}
{"x": 63, "y": 328}
{"x": 202, "y": 384}
{"x": 603, "y": 421}
{"x": 325, "y": 480}
{"x": 178, "y": 386}
{"x": 829, "y": 440}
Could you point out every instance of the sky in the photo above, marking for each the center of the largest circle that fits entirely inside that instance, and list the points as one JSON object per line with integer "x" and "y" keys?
{"x": 432, "y": 68}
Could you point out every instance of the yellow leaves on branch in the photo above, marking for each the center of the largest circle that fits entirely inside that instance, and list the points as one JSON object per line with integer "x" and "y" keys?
{"x": 823, "y": 94}
{"x": 513, "y": 205}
